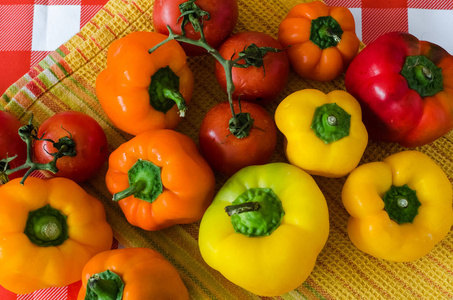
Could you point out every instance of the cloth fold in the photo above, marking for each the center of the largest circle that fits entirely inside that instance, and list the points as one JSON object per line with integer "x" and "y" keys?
{"x": 65, "y": 80}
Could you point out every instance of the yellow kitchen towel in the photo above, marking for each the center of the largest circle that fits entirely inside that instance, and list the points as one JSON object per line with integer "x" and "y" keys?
{"x": 65, "y": 80}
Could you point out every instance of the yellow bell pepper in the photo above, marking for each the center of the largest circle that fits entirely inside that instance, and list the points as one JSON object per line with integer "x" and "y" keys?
{"x": 49, "y": 230}
{"x": 400, "y": 207}
{"x": 324, "y": 133}
{"x": 265, "y": 228}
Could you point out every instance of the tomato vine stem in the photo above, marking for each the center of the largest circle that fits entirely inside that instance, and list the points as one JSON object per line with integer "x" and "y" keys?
{"x": 252, "y": 55}
{"x": 28, "y": 133}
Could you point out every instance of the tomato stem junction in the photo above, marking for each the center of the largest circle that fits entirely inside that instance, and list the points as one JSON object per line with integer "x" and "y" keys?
{"x": 252, "y": 55}
{"x": 28, "y": 133}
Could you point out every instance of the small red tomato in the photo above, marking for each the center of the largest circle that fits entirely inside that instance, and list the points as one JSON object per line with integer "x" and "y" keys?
{"x": 10, "y": 142}
{"x": 225, "y": 152}
{"x": 90, "y": 144}
{"x": 258, "y": 84}
{"x": 223, "y": 18}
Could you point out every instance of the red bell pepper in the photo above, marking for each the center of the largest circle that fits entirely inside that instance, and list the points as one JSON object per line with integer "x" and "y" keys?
{"x": 405, "y": 88}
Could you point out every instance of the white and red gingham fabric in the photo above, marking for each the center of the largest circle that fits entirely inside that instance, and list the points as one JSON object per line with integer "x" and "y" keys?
{"x": 30, "y": 29}
{"x": 430, "y": 20}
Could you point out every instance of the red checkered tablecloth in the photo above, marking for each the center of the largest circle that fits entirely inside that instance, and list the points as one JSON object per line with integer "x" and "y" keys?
{"x": 30, "y": 29}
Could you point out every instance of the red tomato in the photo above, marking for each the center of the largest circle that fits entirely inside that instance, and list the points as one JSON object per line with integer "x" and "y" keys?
{"x": 225, "y": 152}
{"x": 91, "y": 144}
{"x": 223, "y": 13}
{"x": 255, "y": 83}
{"x": 10, "y": 142}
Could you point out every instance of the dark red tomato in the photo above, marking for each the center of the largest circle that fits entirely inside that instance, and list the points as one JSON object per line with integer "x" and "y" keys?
{"x": 10, "y": 142}
{"x": 226, "y": 153}
{"x": 90, "y": 144}
{"x": 255, "y": 83}
{"x": 223, "y": 19}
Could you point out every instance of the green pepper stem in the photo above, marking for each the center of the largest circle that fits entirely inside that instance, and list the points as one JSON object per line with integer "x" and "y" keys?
{"x": 106, "y": 285}
{"x": 422, "y": 75}
{"x": 332, "y": 120}
{"x": 164, "y": 91}
{"x": 130, "y": 191}
{"x": 144, "y": 182}
{"x": 331, "y": 123}
{"x": 252, "y": 57}
{"x": 325, "y": 32}
{"x": 256, "y": 212}
{"x": 178, "y": 99}
{"x": 242, "y": 208}
{"x": 105, "y": 289}
{"x": 46, "y": 227}
{"x": 401, "y": 204}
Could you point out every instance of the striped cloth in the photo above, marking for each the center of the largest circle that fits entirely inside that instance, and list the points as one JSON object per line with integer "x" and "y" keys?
{"x": 65, "y": 80}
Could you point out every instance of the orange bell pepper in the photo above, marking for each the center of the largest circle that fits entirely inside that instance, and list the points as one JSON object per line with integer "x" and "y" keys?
{"x": 138, "y": 90}
{"x": 131, "y": 274}
{"x": 160, "y": 179}
{"x": 321, "y": 40}
{"x": 49, "y": 230}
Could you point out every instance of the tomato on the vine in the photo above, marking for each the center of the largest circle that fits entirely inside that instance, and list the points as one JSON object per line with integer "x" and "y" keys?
{"x": 91, "y": 148}
{"x": 223, "y": 16}
{"x": 11, "y": 144}
{"x": 227, "y": 153}
{"x": 258, "y": 84}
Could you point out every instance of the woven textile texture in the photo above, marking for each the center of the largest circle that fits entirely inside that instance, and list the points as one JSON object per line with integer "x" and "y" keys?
{"x": 65, "y": 80}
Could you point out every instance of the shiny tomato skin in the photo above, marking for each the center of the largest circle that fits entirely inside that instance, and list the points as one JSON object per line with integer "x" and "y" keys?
{"x": 255, "y": 83}
{"x": 90, "y": 139}
{"x": 228, "y": 154}
{"x": 10, "y": 142}
{"x": 224, "y": 16}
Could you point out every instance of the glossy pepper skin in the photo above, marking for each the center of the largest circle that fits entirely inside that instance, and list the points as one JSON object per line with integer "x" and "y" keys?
{"x": 324, "y": 133}
{"x": 138, "y": 91}
{"x": 405, "y": 87}
{"x": 47, "y": 234}
{"x": 400, "y": 207}
{"x": 131, "y": 274}
{"x": 321, "y": 40}
{"x": 279, "y": 224}
{"x": 160, "y": 179}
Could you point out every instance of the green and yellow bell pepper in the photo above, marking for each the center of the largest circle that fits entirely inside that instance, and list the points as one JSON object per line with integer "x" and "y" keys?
{"x": 265, "y": 228}
{"x": 324, "y": 133}
{"x": 400, "y": 207}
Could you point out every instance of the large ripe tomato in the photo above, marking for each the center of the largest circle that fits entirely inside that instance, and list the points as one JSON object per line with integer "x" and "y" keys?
{"x": 225, "y": 152}
{"x": 10, "y": 142}
{"x": 257, "y": 84}
{"x": 223, "y": 19}
{"x": 90, "y": 144}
